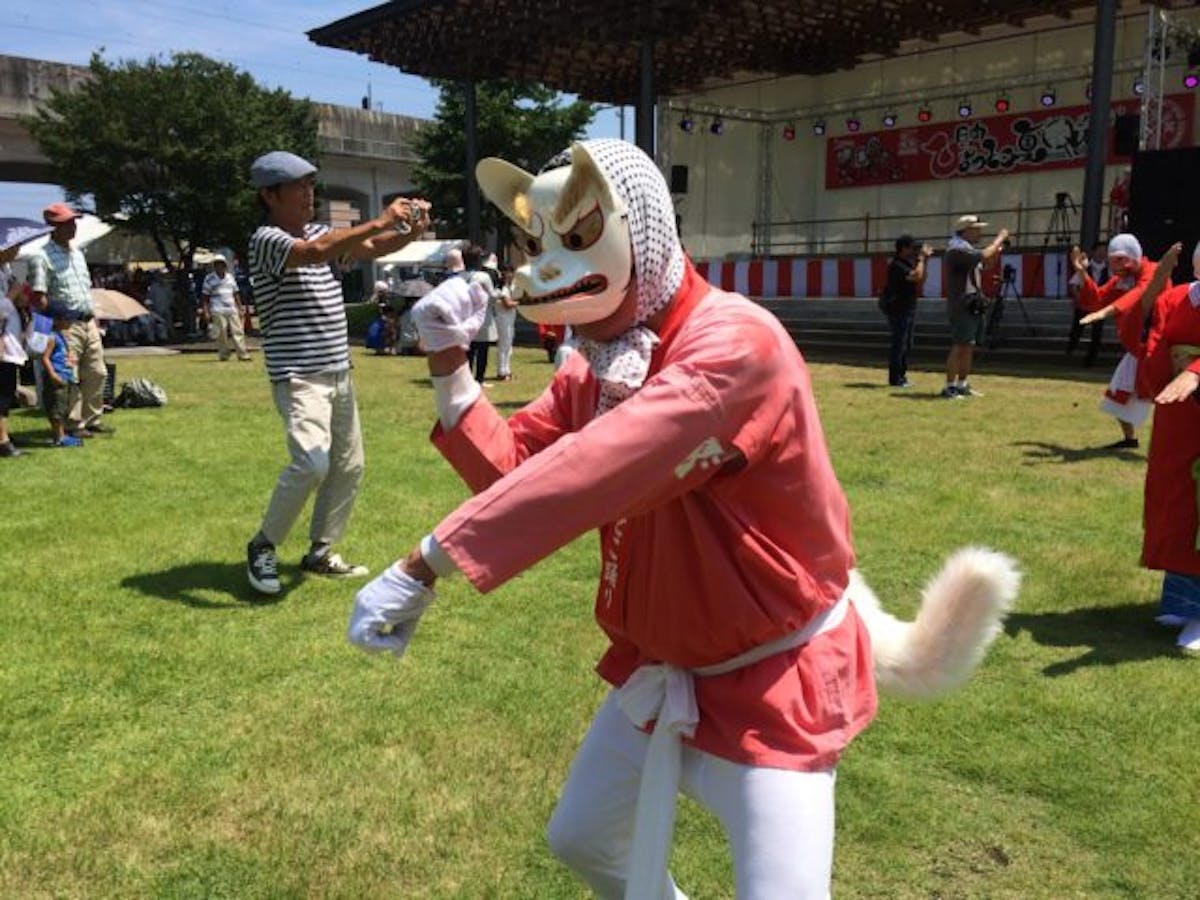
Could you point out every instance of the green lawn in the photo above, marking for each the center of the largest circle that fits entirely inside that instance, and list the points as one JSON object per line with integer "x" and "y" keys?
{"x": 163, "y": 736}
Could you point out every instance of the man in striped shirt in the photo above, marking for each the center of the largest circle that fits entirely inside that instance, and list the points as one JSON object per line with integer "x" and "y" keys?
{"x": 303, "y": 321}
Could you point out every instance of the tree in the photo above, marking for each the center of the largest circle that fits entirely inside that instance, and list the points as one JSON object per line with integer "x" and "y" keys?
{"x": 164, "y": 147}
{"x": 522, "y": 122}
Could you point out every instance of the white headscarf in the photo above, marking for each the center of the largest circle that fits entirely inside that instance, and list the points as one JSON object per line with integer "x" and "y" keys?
{"x": 621, "y": 365}
{"x": 1126, "y": 244}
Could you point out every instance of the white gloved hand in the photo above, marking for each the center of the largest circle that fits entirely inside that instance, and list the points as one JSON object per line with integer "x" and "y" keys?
{"x": 450, "y": 314}
{"x": 386, "y": 612}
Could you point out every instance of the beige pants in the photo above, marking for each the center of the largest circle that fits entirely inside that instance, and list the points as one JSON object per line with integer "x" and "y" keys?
{"x": 83, "y": 341}
{"x": 229, "y": 334}
{"x": 320, "y": 419}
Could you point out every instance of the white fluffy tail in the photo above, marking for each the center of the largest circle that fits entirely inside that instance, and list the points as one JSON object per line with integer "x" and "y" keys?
{"x": 960, "y": 615}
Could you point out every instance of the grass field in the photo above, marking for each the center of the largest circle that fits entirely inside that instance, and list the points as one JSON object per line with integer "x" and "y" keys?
{"x": 163, "y": 736}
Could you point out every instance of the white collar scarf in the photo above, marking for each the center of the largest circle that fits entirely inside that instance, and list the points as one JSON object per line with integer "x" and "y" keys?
{"x": 622, "y": 364}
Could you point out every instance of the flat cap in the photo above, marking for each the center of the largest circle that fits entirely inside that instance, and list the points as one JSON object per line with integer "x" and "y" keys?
{"x": 279, "y": 167}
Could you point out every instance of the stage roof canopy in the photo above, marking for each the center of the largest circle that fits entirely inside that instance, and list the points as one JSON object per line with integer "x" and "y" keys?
{"x": 592, "y": 47}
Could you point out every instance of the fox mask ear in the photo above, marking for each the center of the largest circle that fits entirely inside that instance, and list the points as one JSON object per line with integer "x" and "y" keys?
{"x": 507, "y": 186}
{"x": 585, "y": 180}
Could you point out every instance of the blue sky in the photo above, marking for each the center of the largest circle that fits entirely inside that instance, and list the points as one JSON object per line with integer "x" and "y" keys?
{"x": 263, "y": 37}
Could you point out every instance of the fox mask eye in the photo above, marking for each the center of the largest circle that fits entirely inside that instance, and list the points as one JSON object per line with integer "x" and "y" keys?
{"x": 586, "y": 231}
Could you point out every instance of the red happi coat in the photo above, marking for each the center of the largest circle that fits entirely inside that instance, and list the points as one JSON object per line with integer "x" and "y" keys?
{"x": 722, "y": 524}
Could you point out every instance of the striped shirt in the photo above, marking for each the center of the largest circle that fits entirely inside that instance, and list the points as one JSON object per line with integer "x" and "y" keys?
{"x": 301, "y": 311}
{"x": 61, "y": 273}
{"x": 220, "y": 291}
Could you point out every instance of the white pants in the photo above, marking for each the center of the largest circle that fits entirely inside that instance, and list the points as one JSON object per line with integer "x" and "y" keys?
{"x": 324, "y": 439}
{"x": 227, "y": 329}
{"x": 506, "y": 326}
{"x": 779, "y": 822}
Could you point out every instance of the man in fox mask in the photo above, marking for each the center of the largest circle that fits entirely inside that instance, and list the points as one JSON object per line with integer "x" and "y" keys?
{"x": 684, "y": 431}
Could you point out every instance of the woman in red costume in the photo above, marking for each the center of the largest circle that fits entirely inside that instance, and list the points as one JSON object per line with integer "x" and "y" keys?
{"x": 1130, "y": 273}
{"x": 1169, "y": 371}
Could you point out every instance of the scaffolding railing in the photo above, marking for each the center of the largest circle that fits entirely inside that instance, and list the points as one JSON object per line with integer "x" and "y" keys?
{"x": 1031, "y": 228}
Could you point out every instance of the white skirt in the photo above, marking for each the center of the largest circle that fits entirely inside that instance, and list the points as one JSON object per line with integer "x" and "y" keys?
{"x": 1120, "y": 399}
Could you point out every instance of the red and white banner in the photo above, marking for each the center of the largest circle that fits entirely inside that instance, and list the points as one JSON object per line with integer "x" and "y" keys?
{"x": 989, "y": 145}
{"x": 782, "y": 277}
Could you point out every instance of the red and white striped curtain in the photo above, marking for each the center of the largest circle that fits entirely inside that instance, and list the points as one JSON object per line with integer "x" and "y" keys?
{"x": 1035, "y": 275}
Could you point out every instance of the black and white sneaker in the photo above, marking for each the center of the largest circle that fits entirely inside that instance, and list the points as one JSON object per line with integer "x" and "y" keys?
{"x": 262, "y": 568}
{"x": 332, "y": 565}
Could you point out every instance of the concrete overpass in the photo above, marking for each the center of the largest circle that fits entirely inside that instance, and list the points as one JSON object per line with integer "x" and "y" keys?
{"x": 365, "y": 155}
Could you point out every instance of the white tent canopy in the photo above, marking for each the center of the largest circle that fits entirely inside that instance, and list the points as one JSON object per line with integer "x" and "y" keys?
{"x": 88, "y": 228}
{"x": 105, "y": 244}
{"x": 420, "y": 253}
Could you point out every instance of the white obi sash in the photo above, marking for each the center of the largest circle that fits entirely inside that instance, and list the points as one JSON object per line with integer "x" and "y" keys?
{"x": 667, "y": 694}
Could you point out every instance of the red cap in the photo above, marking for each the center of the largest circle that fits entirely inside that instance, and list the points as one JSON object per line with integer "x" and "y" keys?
{"x": 57, "y": 213}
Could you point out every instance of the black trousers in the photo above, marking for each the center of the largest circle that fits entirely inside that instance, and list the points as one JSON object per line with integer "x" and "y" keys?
{"x": 1077, "y": 332}
{"x": 477, "y": 359}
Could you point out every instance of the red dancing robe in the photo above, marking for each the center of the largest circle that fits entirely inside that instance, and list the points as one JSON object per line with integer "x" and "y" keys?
{"x": 1169, "y": 517}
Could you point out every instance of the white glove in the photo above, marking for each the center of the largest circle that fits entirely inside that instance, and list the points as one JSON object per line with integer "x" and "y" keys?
{"x": 386, "y": 612}
{"x": 450, "y": 314}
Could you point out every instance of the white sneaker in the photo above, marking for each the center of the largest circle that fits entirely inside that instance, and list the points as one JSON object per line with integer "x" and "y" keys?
{"x": 1189, "y": 638}
{"x": 332, "y": 565}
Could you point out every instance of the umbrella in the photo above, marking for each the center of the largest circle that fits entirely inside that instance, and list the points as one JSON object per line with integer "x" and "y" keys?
{"x": 18, "y": 231}
{"x": 110, "y": 304}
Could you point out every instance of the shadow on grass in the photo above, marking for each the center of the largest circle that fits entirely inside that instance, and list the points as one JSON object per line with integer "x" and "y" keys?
{"x": 1044, "y": 452}
{"x": 188, "y": 583}
{"x": 1108, "y": 636}
{"x": 923, "y": 397}
{"x": 865, "y": 386}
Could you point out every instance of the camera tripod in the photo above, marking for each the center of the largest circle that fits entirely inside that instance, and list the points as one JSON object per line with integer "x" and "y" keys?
{"x": 1061, "y": 231}
{"x": 1008, "y": 290}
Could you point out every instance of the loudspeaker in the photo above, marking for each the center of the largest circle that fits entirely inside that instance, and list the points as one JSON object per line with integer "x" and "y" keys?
{"x": 1126, "y": 132}
{"x": 1164, "y": 204}
{"x": 679, "y": 176}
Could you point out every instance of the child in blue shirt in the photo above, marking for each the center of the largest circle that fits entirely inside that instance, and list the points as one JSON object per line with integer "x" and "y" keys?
{"x": 58, "y": 364}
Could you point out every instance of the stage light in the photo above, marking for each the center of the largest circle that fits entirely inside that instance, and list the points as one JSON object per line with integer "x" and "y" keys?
{"x": 964, "y": 108}
{"x": 789, "y": 132}
{"x": 1049, "y": 97}
{"x": 853, "y": 124}
{"x": 889, "y": 120}
{"x": 819, "y": 127}
{"x": 1190, "y": 80}
{"x": 717, "y": 127}
{"x": 686, "y": 124}
{"x": 1002, "y": 104}
{"x": 924, "y": 114}
{"x": 1139, "y": 86}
